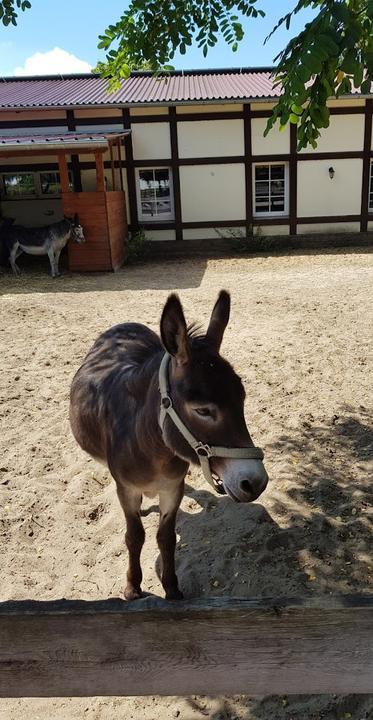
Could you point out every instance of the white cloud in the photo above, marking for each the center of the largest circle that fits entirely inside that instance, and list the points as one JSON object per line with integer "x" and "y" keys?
{"x": 56, "y": 61}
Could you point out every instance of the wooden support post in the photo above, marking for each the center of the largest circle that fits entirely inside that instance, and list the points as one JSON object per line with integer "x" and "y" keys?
{"x": 210, "y": 647}
{"x": 112, "y": 166}
{"x": 100, "y": 176}
{"x": 64, "y": 173}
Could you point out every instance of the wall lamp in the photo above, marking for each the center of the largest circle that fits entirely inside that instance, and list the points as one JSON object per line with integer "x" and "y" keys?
{"x": 331, "y": 173}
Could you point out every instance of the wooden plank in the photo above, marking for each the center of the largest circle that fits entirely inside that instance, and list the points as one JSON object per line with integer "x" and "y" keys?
{"x": 112, "y": 166}
{"x": 100, "y": 174}
{"x": 64, "y": 173}
{"x": 213, "y": 646}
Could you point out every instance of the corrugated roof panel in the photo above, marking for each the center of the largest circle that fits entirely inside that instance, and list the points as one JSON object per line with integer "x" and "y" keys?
{"x": 91, "y": 90}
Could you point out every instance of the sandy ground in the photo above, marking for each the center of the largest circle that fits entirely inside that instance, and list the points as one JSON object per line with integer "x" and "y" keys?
{"x": 301, "y": 337}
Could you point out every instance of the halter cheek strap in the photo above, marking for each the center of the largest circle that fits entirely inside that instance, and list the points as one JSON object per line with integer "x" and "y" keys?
{"x": 203, "y": 451}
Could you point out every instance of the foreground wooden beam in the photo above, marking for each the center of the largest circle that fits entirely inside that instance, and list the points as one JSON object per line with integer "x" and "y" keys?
{"x": 213, "y": 646}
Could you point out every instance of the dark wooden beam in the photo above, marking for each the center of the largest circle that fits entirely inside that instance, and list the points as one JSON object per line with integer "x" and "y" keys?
{"x": 366, "y": 166}
{"x": 248, "y": 168}
{"x": 175, "y": 172}
{"x": 293, "y": 182}
{"x": 77, "y": 178}
{"x": 131, "y": 180}
{"x": 211, "y": 647}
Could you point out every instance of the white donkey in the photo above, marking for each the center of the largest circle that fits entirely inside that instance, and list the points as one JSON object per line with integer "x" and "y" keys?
{"x": 48, "y": 240}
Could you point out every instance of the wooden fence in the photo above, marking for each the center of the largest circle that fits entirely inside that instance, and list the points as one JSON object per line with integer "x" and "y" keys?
{"x": 212, "y": 646}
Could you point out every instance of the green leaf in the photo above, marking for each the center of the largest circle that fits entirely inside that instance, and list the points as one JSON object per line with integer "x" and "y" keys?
{"x": 293, "y": 119}
{"x": 297, "y": 109}
{"x": 182, "y": 48}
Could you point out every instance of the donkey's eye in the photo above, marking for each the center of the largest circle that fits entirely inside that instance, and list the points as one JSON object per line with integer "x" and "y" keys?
{"x": 203, "y": 411}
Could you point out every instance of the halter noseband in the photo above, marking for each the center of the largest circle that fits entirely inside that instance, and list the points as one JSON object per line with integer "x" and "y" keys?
{"x": 203, "y": 451}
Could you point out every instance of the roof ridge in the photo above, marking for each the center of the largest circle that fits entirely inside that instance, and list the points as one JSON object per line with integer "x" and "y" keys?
{"x": 140, "y": 73}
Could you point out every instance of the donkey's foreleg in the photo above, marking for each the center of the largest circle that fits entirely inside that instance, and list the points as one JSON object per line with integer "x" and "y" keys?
{"x": 52, "y": 261}
{"x": 130, "y": 501}
{"x": 13, "y": 254}
{"x": 169, "y": 501}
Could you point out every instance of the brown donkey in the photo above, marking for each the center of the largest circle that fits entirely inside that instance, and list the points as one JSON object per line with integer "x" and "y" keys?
{"x": 148, "y": 408}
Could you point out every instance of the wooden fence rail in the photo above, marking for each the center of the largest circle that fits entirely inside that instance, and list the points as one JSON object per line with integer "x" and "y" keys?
{"x": 213, "y": 646}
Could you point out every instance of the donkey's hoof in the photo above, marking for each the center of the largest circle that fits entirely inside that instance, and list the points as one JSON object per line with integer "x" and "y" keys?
{"x": 132, "y": 593}
{"x": 174, "y": 595}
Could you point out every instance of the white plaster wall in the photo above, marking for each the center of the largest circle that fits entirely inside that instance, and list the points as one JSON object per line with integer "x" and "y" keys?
{"x": 89, "y": 180}
{"x": 212, "y": 192}
{"x": 18, "y": 115}
{"x": 149, "y": 110}
{"x": 346, "y": 103}
{"x": 207, "y": 108}
{"x": 319, "y": 195}
{"x": 370, "y": 225}
{"x": 345, "y": 133}
{"x": 266, "y": 230}
{"x": 275, "y": 143}
{"x": 328, "y": 228}
{"x": 98, "y": 112}
{"x": 210, "y": 138}
{"x": 212, "y": 233}
{"x": 151, "y": 141}
{"x": 160, "y": 235}
{"x": 262, "y": 106}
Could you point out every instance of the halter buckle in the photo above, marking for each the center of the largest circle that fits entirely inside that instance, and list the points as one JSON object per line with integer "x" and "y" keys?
{"x": 166, "y": 402}
{"x": 203, "y": 450}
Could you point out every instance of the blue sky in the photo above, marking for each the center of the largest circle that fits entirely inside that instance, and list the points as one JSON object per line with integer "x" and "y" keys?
{"x": 74, "y": 26}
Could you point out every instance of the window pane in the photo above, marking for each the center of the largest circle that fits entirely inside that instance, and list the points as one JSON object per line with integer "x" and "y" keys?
{"x": 50, "y": 183}
{"x": 277, "y": 205}
{"x": 146, "y": 176}
{"x": 262, "y": 188}
{"x": 163, "y": 207}
{"x": 262, "y": 172}
{"x": 148, "y": 208}
{"x": 19, "y": 185}
{"x": 262, "y": 208}
{"x": 277, "y": 187}
{"x": 277, "y": 172}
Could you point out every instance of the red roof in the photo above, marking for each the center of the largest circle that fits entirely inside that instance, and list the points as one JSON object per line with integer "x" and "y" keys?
{"x": 91, "y": 90}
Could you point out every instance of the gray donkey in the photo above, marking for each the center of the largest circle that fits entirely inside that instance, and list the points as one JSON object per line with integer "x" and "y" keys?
{"x": 48, "y": 240}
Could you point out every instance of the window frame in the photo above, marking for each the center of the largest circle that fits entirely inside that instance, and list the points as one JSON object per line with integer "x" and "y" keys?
{"x": 167, "y": 217}
{"x": 272, "y": 213}
{"x": 38, "y": 195}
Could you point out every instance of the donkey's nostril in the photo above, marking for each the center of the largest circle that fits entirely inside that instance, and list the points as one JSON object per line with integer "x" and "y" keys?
{"x": 246, "y": 487}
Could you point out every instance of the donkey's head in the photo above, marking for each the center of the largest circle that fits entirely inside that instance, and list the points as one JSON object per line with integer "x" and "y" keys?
{"x": 208, "y": 397}
{"x": 76, "y": 231}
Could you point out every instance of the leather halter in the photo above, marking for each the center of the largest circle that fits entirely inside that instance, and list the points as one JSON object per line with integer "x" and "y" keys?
{"x": 203, "y": 451}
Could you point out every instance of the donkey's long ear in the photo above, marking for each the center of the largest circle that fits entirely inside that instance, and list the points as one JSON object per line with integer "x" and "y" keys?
{"x": 76, "y": 220}
{"x": 219, "y": 320}
{"x": 174, "y": 330}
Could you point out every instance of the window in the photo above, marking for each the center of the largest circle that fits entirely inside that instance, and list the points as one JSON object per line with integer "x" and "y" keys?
{"x": 270, "y": 189}
{"x": 154, "y": 194}
{"x": 50, "y": 183}
{"x": 370, "y": 202}
{"x": 17, "y": 186}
